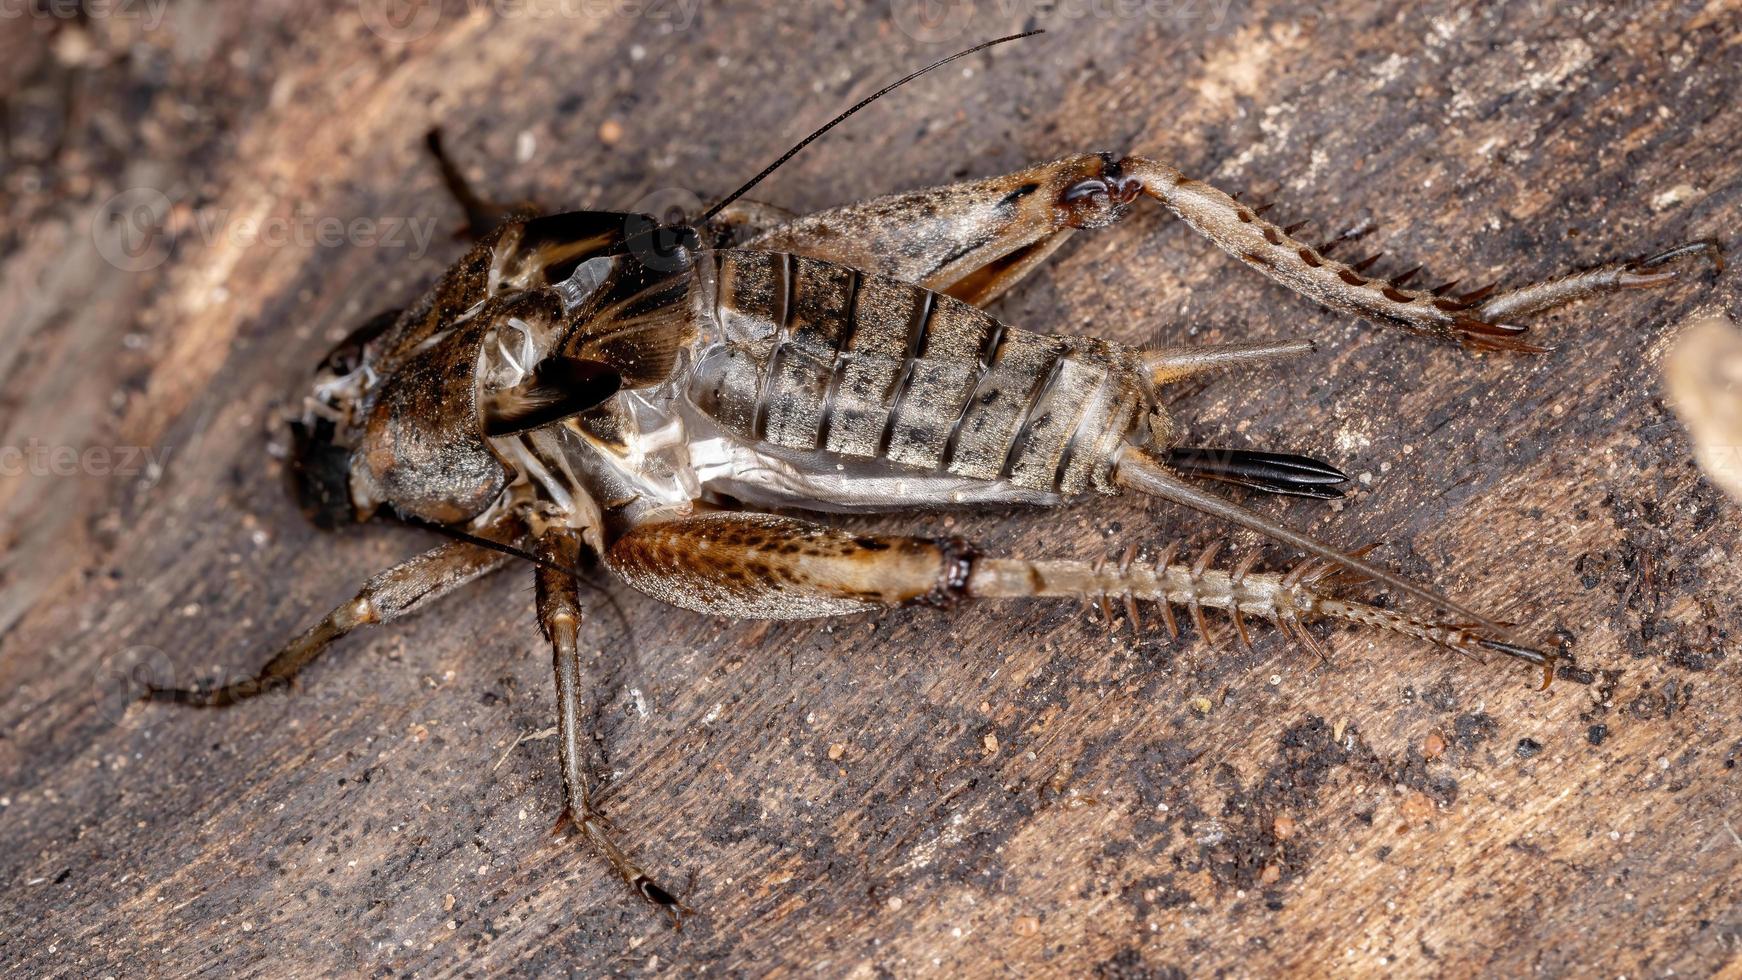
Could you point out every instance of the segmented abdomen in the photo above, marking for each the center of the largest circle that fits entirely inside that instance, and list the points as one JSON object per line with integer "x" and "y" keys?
{"x": 818, "y": 356}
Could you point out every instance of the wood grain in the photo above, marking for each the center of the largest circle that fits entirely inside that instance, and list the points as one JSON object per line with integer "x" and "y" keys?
{"x": 996, "y": 791}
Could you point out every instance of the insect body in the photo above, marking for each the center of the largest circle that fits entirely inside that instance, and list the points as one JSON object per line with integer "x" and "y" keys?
{"x": 593, "y": 381}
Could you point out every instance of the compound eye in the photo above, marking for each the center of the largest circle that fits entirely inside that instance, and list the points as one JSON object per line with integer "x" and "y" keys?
{"x": 345, "y": 360}
{"x": 347, "y": 355}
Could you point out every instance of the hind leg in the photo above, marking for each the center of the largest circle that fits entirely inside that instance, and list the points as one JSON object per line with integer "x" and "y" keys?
{"x": 1473, "y": 321}
{"x": 976, "y": 239}
{"x": 758, "y": 566}
{"x": 973, "y": 240}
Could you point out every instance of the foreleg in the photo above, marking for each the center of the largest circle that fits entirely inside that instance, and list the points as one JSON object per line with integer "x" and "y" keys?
{"x": 402, "y": 589}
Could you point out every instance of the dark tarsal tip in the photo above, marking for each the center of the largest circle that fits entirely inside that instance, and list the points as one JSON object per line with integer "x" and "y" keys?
{"x": 656, "y": 894}
{"x": 1487, "y": 329}
{"x": 1711, "y": 246}
{"x": 1526, "y": 654}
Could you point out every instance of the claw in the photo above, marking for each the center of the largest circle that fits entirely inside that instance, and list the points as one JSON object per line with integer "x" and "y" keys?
{"x": 1710, "y": 246}
{"x": 1487, "y": 329}
{"x": 1473, "y": 341}
{"x": 1477, "y": 295}
{"x": 666, "y": 902}
{"x": 1547, "y": 660}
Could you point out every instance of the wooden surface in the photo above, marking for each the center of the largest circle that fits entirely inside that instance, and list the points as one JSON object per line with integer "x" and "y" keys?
{"x": 997, "y": 791}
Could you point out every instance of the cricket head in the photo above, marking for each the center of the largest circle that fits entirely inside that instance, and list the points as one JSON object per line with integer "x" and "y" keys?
{"x": 318, "y": 466}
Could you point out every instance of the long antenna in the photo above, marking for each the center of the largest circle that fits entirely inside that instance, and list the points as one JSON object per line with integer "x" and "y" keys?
{"x": 862, "y": 103}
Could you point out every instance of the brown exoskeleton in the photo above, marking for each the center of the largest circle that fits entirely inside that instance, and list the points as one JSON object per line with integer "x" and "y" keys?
{"x": 595, "y": 381}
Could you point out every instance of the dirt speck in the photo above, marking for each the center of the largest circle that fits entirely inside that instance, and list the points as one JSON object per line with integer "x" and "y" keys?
{"x": 1473, "y": 729}
{"x": 1433, "y": 746}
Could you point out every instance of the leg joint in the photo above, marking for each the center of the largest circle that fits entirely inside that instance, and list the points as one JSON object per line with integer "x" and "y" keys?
{"x": 958, "y": 557}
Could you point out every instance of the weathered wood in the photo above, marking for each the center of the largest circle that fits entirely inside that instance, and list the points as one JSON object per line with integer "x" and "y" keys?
{"x": 997, "y": 790}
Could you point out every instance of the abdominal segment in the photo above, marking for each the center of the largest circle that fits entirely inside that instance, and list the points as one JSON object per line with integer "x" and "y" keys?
{"x": 818, "y": 362}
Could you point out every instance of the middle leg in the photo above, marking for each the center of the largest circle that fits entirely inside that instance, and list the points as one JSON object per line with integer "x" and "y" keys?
{"x": 559, "y": 614}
